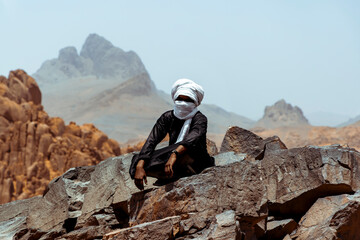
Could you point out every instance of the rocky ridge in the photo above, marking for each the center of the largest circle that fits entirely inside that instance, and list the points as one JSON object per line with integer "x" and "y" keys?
{"x": 34, "y": 147}
{"x": 351, "y": 121}
{"x": 282, "y": 114}
{"x": 258, "y": 190}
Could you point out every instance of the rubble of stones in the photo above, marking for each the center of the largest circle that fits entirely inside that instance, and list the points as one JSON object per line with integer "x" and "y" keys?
{"x": 258, "y": 189}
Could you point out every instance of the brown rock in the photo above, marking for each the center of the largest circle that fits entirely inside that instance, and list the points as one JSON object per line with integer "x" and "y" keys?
{"x": 240, "y": 140}
{"x": 98, "y": 139}
{"x": 73, "y": 129}
{"x": 225, "y": 227}
{"x": 32, "y": 171}
{"x": 44, "y": 144}
{"x": 7, "y": 190}
{"x": 19, "y": 88}
{"x": 226, "y": 158}
{"x": 278, "y": 229}
{"x": 211, "y": 147}
{"x": 33, "y": 147}
{"x": 216, "y": 190}
{"x": 4, "y": 123}
{"x": 11, "y": 111}
{"x": 161, "y": 229}
{"x": 57, "y": 126}
{"x": 31, "y": 89}
{"x": 78, "y": 159}
{"x": 335, "y": 217}
{"x": 295, "y": 178}
{"x": 242, "y": 200}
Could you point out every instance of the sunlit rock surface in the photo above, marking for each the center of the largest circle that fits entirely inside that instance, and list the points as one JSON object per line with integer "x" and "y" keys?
{"x": 279, "y": 196}
{"x": 34, "y": 147}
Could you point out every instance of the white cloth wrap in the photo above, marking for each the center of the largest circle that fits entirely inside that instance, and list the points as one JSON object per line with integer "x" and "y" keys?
{"x": 186, "y": 110}
{"x": 188, "y": 88}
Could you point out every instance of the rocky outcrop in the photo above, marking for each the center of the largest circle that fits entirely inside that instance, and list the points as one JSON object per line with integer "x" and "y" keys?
{"x": 335, "y": 217}
{"x": 35, "y": 148}
{"x": 240, "y": 140}
{"x": 279, "y": 196}
{"x": 282, "y": 114}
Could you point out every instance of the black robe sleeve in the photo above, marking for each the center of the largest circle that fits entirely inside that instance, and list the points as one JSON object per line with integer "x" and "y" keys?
{"x": 157, "y": 134}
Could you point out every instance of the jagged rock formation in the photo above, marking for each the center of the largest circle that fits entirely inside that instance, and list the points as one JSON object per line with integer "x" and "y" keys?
{"x": 35, "y": 148}
{"x": 277, "y": 197}
{"x": 282, "y": 114}
{"x": 240, "y": 140}
{"x": 98, "y": 58}
{"x": 111, "y": 88}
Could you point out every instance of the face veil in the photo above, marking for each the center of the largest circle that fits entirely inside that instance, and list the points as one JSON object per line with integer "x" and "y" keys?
{"x": 186, "y": 110}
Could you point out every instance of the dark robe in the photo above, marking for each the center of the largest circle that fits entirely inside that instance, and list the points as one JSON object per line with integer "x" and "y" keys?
{"x": 194, "y": 141}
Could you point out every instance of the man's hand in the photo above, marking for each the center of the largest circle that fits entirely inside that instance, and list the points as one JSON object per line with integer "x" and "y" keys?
{"x": 140, "y": 175}
{"x": 169, "y": 165}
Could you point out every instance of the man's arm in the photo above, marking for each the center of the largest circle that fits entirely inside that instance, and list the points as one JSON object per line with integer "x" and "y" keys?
{"x": 140, "y": 175}
{"x": 173, "y": 157}
{"x": 156, "y": 135}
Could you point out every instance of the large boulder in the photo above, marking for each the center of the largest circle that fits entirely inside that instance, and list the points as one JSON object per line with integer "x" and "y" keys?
{"x": 240, "y": 140}
{"x": 335, "y": 217}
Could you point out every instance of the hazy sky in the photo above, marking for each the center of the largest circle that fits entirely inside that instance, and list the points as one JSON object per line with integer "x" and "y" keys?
{"x": 246, "y": 54}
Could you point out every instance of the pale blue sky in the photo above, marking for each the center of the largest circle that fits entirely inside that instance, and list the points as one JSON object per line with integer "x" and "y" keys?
{"x": 246, "y": 54}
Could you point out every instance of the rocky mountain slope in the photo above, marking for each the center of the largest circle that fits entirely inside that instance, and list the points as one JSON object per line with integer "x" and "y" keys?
{"x": 34, "y": 147}
{"x": 350, "y": 121}
{"x": 282, "y": 114}
{"x": 356, "y": 124}
{"x": 111, "y": 88}
{"x": 319, "y": 136}
{"x": 292, "y": 127}
{"x": 258, "y": 190}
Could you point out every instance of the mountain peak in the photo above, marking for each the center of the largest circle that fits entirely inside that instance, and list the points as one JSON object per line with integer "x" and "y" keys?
{"x": 282, "y": 114}
{"x": 95, "y": 46}
{"x": 98, "y": 57}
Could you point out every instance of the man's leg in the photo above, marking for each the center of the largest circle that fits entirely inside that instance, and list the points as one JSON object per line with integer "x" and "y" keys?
{"x": 182, "y": 168}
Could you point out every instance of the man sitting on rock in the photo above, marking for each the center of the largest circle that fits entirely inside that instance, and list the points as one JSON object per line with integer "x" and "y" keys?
{"x": 186, "y": 154}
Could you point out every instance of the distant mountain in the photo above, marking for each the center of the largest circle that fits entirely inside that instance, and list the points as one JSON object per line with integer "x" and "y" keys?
{"x": 326, "y": 119}
{"x": 111, "y": 88}
{"x": 98, "y": 58}
{"x": 356, "y": 124}
{"x": 282, "y": 114}
{"x": 350, "y": 121}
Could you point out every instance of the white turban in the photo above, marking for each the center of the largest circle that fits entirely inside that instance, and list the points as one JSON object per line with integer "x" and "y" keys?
{"x": 188, "y": 88}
